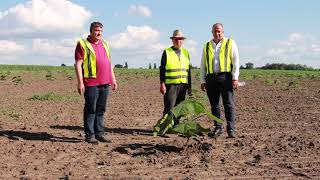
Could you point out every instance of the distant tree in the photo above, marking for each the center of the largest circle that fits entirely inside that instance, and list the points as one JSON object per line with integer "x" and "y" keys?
{"x": 150, "y": 67}
{"x": 63, "y": 65}
{"x": 154, "y": 66}
{"x": 249, "y": 65}
{"x": 126, "y": 65}
{"x": 193, "y": 67}
{"x": 242, "y": 67}
{"x": 282, "y": 66}
{"x": 118, "y": 66}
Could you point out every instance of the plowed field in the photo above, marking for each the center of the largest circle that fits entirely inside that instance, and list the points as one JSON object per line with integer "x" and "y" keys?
{"x": 278, "y": 132}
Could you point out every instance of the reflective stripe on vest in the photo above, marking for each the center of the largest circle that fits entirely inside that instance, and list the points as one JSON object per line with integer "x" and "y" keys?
{"x": 177, "y": 68}
{"x": 225, "y": 56}
{"x": 89, "y": 64}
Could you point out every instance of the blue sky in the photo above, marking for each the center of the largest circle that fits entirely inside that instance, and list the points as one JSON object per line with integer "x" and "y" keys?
{"x": 46, "y": 31}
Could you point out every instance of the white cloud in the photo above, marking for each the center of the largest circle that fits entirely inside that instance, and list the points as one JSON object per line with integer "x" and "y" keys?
{"x": 191, "y": 46}
{"x": 55, "y": 48}
{"x": 140, "y": 45}
{"x": 295, "y": 44}
{"x": 298, "y": 48}
{"x": 296, "y": 37}
{"x": 8, "y": 47}
{"x": 44, "y": 29}
{"x": 135, "y": 37}
{"x": 43, "y": 17}
{"x": 139, "y": 10}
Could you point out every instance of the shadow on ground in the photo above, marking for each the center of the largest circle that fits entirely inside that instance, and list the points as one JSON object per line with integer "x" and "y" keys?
{"x": 37, "y": 136}
{"x": 145, "y": 149}
{"x": 72, "y": 128}
{"x": 145, "y": 132}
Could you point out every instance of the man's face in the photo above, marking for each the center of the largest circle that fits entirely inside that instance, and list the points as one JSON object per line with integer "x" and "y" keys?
{"x": 177, "y": 42}
{"x": 217, "y": 32}
{"x": 96, "y": 33}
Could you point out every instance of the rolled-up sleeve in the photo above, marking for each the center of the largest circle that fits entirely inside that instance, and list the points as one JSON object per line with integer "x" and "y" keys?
{"x": 235, "y": 61}
{"x": 203, "y": 68}
{"x": 79, "y": 52}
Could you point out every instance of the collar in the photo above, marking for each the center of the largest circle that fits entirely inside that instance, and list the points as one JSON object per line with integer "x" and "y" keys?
{"x": 224, "y": 38}
{"x": 175, "y": 48}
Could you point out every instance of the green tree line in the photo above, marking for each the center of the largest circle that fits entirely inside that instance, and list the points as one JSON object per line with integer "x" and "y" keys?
{"x": 279, "y": 66}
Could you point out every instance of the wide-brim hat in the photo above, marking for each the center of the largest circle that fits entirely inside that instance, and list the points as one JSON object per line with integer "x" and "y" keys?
{"x": 177, "y": 34}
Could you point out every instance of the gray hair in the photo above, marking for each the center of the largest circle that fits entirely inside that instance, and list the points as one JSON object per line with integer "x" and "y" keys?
{"x": 217, "y": 24}
{"x": 95, "y": 24}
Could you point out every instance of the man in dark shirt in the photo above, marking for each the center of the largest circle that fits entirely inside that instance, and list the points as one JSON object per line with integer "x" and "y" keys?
{"x": 175, "y": 73}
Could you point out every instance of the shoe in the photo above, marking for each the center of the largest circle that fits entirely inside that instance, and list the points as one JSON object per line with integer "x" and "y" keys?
{"x": 216, "y": 132}
{"x": 103, "y": 139}
{"x": 231, "y": 134}
{"x": 91, "y": 140}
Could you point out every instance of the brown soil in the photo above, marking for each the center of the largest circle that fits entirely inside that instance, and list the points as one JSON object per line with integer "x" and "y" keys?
{"x": 277, "y": 134}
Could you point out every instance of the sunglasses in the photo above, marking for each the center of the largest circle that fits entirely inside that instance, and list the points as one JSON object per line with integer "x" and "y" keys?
{"x": 179, "y": 38}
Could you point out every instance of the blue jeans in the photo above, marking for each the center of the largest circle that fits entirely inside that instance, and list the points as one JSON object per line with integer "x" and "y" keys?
{"x": 221, "y": 85}
{"x": 94, "y": 108}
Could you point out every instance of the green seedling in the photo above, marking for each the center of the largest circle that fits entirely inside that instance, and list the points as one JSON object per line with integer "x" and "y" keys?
{"x": 268, "y": 82}
{"x": 187, "y": 111}
{"x": 11, "y": 112}
{"x": 294, "y": 84}
{"x": 49, "y": 76}
{"x": 51, "y": 96}
{"x": 17, "y": 80}
{"x": 3, "y": 77}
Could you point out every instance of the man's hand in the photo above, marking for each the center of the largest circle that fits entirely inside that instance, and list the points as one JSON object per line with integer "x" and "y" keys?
{"x": 189, "y": 91}
{"x": 204, "y": 87}
{"x": 81, "y": 88}
{"x": 163, "y": 88}
{"x": 114, "y": 85}
{"x": 235, "y": 84}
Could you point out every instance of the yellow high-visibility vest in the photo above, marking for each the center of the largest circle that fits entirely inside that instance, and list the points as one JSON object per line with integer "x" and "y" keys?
{"x": 89, "y": 64}
{"x": 177, "y": 68}
{"x": 225, "y": 56}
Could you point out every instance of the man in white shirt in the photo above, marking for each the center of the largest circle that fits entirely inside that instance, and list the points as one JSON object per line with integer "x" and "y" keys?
{"x": 219, "y": 77}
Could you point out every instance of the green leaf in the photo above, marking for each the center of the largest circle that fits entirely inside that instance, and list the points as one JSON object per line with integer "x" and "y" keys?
{"x": 163, "y": 125}
{"x": 190, "y": 128}
{"x": 192, "y": 107}
{"x": 188, "y": 109}
{"x": 213, "y": 117}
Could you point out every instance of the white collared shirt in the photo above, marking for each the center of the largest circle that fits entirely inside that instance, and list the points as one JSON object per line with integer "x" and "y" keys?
{"x": 235, "y": 61}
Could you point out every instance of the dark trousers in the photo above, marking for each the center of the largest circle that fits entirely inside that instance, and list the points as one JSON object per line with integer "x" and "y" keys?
{"x": 94, "y": 108}
{"x": 221, "y": 84}
{"x": 175, "y": 94}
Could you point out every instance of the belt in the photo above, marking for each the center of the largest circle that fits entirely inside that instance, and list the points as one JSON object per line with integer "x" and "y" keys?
{"x": 217, "y": 74}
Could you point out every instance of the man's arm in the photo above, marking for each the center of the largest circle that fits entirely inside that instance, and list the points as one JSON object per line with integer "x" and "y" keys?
{"x": 235, "y": 67}
{"x": 235, "y": 61}
{"x": 79, "y": 56}
{"x": 189, "y": 77}
{"x": 78, "y": 68}
{"x": 189, "y": 91}
{"x": 163, "y": 67}
{"x": 114, "y": 81}
{"x": 203, "y": 70}
{"x": 163, "y": 72}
